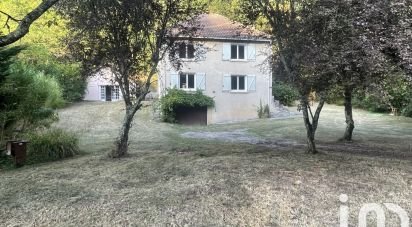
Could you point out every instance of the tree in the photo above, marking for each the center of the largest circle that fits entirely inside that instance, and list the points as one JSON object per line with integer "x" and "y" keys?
{"x": 354, "y": 61}
{"x": 298, "y": 39}
{"x": 25, "y": 23}
{"x": 362, "y": 38}
{"x": 130, "y": 37}
{"x": 350, "y": 38}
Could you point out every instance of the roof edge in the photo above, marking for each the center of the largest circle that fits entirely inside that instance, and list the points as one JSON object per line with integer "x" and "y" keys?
{"x": 257, "y": 40}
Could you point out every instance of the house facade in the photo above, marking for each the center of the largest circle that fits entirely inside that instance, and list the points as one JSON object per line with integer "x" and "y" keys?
{"x": 229, "y": 63}
{"x": 101, "y": 87}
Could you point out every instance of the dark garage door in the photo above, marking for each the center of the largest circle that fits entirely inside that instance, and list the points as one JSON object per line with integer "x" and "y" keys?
{"x": 191, "y": 115}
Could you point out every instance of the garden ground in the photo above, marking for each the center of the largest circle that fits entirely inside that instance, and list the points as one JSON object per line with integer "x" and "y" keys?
{"x": 253, "y": 173}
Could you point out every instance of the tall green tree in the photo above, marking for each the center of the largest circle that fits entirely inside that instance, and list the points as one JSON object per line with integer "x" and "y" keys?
{"x": 130, "y": 37}
{"x": 347, "y": 43}
{"x": 299, "y": 54}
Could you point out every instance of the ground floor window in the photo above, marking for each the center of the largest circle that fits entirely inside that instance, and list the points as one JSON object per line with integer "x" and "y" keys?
{"x": 116, "y": 93}
{"x": 238, "y": 83}
{"x": 109, "y": 93}
{"x": 187, "y": 81}
{"x": 103, "y": 93}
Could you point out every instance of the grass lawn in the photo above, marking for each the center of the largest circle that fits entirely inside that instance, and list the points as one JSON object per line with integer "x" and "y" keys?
{"x": 171, "y": 180}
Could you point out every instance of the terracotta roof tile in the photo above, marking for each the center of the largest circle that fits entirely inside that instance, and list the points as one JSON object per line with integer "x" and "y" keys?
{"x": 220, "y": 27}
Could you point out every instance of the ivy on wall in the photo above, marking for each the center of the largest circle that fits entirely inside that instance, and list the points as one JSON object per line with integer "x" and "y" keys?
{"x": 176, "y": 98}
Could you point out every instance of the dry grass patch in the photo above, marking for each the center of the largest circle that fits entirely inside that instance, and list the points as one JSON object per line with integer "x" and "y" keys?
{"x": 168, "y": 180}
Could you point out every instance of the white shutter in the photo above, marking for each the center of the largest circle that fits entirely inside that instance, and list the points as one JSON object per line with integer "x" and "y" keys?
{"x": 251, "y": 83}
{"x": 201, "y": 81}
{"x": 201, "y": 53}
{"x": 251, "y": 52}
{"x": 174, "y": 80}
{"x": 226, "y": 51}
{"x": 226, "y": 82}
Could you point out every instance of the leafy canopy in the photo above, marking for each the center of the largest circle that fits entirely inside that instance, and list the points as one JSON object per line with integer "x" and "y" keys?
{"x": 48, "y": 30}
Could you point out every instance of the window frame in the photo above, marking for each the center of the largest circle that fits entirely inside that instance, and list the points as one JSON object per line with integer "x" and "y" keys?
{"x": 237, "y": 90}
{"x": 186, "y": 54}
{"x": 237, "y": 52}
{"x": 187, "y": 74}
{"x": 102, "y": 92}
{"x": 115, "y": 92}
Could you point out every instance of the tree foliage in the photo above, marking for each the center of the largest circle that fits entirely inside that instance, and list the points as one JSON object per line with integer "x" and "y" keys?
{"x": 326, "y": 42}
{"x": 45, "y": 48}
{"x": 65, "y": 71}
{"x": 19, "y": 25}
{"x": 28, "y": 98}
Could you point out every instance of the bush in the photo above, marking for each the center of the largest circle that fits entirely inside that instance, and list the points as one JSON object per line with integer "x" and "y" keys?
{"x": 335, "y": 96}
{"x": 263, "y": 110}
{"x": 407, "y": 110}
{"x": 393, "y": 93}
{"x": 285, "y": 93}
{"x": 176, "y": 98}
{"x": 51, "y": 145}
{"x": 5, "y": 161}
{"x": 369, "y": 102}
{"x": 54, "y": 97}
{"x": 29, "y": 100}
{"x": 39, "y": 59}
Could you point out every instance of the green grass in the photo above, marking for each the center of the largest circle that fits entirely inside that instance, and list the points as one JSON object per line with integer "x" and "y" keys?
{"x": 168, "y": 180}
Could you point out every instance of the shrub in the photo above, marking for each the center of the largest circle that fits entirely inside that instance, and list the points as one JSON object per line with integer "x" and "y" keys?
{"x": 176, "y": 98}
{"x": 266, "y": 111}
{"x": 27, "y": 97}
{"x": 407, "y": 110}
{"x": 369, "y": 102}
{"x": 391, "y": 94}
{"x": 335, "y": 96}
{"x": 263, "y": 110}
{"x": 67, "y": 73}
{"x": 156, "y": 110}
{"x": 30, "y": 99}
{"x": 5, "y": 161}
{"x": 54, "y": 97}
{"x": 51, "y": 145}
{"x": 285, "y": 93}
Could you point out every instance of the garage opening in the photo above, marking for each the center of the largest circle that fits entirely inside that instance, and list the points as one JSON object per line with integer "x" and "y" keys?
{"x": 191, "y": 115}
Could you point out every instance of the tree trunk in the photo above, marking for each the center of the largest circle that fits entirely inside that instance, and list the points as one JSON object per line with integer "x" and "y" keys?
{"x": 122, "y": 142}
{"x": 350, "y": 124}
{"x": 311, "y": 122}
{"x": 310, "y": 134}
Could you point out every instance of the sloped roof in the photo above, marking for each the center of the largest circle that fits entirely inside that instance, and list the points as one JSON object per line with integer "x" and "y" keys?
{"x": 215, "y": 26}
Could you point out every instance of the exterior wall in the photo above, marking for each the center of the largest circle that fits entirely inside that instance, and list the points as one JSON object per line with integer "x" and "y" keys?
{"x": 229, "y": 105}
{"x": 102, "y": 78}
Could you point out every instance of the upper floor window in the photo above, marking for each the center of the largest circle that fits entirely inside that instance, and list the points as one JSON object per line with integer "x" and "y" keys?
{"x": 238, "y": 83}
{"x": 237, "y": 52}
{"x": 187, "y": 81}
{"x": 186, "y": 51}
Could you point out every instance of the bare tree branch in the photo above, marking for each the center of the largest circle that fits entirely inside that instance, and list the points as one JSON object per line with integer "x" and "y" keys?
{"x": 9, "y": 17}
{"x": 25, "y": 23}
